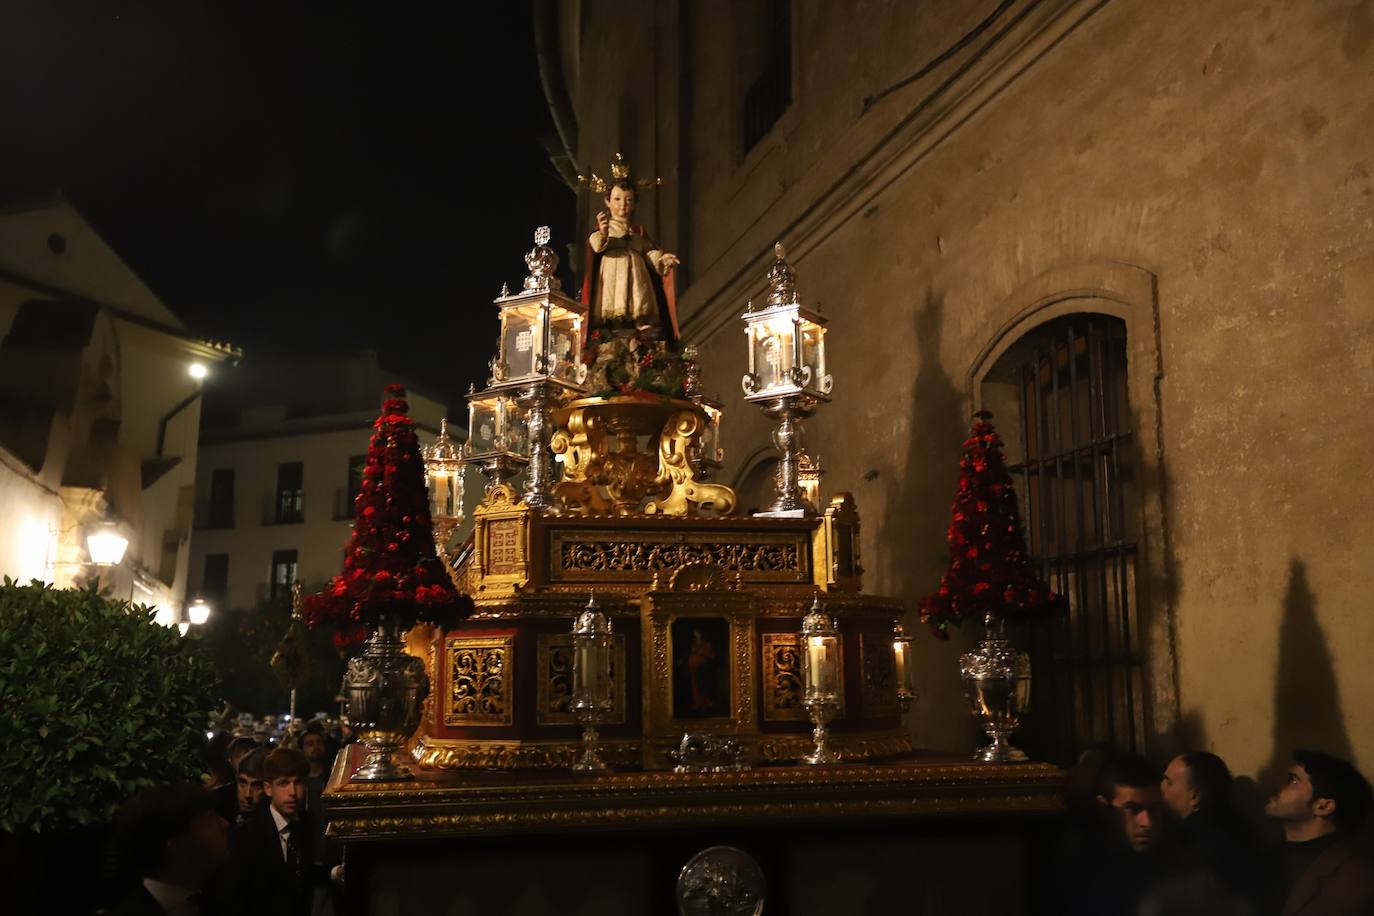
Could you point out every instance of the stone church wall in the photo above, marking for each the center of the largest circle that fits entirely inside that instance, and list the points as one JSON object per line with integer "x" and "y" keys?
{"x": 1200, "y": 170}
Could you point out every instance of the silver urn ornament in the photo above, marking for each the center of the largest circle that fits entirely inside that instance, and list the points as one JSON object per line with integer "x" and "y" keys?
{"x": 997, "y": 681}
{"x": 385, "y": 687}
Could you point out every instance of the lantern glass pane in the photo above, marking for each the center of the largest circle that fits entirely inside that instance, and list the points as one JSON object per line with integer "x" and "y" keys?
{"x": 515, "y": 435}
{"x": 565, "y": 344}
{"x": 773, "y": 353}
{"x": 821, "y": 666}
{"x": 592, "y": 669}
{"x": 482, "y": 426}
{"x": 519, "y": 341}
{"x": 812, "y": 351}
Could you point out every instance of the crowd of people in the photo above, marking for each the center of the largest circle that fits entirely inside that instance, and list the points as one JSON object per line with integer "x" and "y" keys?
{"x": 1140, "y": 842}
{"x": 249, "y": 841}
{"x": 1136, "y": 841}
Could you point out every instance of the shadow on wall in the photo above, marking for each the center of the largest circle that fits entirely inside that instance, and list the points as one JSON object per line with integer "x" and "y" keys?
{"x": 1307, "y": 700}
{"x": 912, "y": 551}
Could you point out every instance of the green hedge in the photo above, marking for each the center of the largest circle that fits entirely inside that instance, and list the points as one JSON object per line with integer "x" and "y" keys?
{"x": 96, "y": 702}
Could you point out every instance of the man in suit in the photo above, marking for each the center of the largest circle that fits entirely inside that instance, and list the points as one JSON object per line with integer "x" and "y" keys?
{"x": 173, "y": 840}
{"x": 1323, "y": 805}
{"x": 273, "y": 870}
{"x": 1214, "y": 846}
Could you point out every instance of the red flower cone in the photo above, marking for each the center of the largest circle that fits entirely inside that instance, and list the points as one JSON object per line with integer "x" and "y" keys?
{"x": 988, "y": 568}
{"x": 390, "y": 565}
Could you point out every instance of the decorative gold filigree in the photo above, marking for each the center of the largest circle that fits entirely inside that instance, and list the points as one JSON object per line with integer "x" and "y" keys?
{"x": 450, "y": 754}
{"x": 679, "y": 443}
{"x": 607, "y": 471}
{"x": 480, "y": 680}
{"x": 556, "y": 680}
{"x": 782, "y": 685}
{"x": 591, "y": 554}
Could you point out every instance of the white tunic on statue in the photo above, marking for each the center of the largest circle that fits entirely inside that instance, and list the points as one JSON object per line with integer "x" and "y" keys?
{"x": 624, "y": 288}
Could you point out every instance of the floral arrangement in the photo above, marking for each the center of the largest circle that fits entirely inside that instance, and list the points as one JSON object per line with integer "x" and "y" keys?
{"x": 390, "y": 569}
{"x": 988, "y": 567}
{"x": 629, "y": 363}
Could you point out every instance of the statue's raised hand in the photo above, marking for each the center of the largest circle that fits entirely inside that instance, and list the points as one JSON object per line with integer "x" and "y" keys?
{"x": 603, "y": 221}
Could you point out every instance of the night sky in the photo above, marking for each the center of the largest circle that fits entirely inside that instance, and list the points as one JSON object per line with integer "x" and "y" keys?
{"x": 298, "y": 176}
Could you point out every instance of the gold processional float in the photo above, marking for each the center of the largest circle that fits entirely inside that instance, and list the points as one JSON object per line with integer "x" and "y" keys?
{"x": 624, "y": 604}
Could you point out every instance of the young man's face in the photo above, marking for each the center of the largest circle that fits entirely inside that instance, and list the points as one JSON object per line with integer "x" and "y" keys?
{"x": 1293, "y": 801}
{"x": 313, "y": 747}
{"x": 1135, "y": 814}
{"x": 286, "y": 794}
{"x": 250, "y": 793}
{"x": 1176, "y": 789}
{"x": 621, "y": 203}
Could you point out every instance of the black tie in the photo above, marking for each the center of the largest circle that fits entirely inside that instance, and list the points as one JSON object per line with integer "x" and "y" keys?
{"x": 293, "y": 850}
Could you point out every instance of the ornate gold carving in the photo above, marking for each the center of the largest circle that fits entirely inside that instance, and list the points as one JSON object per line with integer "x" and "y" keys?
{"x": 695, "y": 577}
{"x": 501, "y": 535}
{"x": 624, "y": 456}
{"x": 503, "y": 546}
{"x": 782, "y": 685}
{"x": 556, "y": 680}
{"x": 495, "y": 804}
{"x": 638, "y": 555}
{"x": 877, "y": 689}
{"x": 580, "y": 442}
{"x": 679, "y": 443}
{"x": 480, "y": 680}
{"x": 448, "y": 754}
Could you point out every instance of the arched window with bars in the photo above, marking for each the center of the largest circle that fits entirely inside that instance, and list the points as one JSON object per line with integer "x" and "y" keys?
{"x": 1060, "y": 394}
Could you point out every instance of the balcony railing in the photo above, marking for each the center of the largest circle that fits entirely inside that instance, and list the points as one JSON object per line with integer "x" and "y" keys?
{"x": 284, "y": 507}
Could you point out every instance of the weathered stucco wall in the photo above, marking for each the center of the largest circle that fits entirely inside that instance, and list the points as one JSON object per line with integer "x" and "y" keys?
{"x": 1222, "y": 150}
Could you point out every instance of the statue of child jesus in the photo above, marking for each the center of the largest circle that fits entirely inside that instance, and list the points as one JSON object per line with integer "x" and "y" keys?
{"x": 629, "y": 283}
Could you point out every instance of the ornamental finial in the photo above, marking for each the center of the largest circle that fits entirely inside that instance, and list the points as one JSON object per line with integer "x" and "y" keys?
{"x": 782, "y": 280}
{"x": 542, "y": 263}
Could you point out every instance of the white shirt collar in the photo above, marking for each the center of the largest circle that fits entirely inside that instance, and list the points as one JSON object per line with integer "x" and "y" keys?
{"x": 280, "y": 821}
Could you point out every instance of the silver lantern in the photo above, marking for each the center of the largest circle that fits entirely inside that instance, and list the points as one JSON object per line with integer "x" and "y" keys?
{"x": 591, "y": 696}
{"x": 787, "y": 376}
{"x": 821, "y": 687}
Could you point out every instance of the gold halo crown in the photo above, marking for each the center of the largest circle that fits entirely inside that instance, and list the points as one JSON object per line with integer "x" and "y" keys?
{"x": 620, "y": 169}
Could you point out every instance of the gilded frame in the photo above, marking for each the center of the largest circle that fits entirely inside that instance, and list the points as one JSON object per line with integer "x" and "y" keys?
{"x": 499, "y": 647}
{"x": 659, "y": 611}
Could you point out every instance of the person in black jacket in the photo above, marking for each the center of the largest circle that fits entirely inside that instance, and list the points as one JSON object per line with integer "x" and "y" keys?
{"x": 172, "y": 840}
{"x": 273, "y": 871}
{"x": 1214, "y": 844}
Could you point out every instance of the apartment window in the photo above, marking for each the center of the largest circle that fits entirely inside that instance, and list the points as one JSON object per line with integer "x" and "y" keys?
{"x": 290, "y": 501}
{"x": 215, "y": 583}
{"x": 283, "y": 572}
{"x": 1072, "y": 444}
{"x": 221, "y": 510}
{"x": 768, "y": 96}
{"x": 355, "y": 483}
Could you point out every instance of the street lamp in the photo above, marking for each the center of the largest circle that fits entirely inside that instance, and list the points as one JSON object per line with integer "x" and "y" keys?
{"x": 198, "y": 611}
{"x": 106, "y": 545}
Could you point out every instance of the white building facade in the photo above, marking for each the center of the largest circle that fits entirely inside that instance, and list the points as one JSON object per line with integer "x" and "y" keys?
{"x": 100, "y": 397}
{"x": 281, "y": 463}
